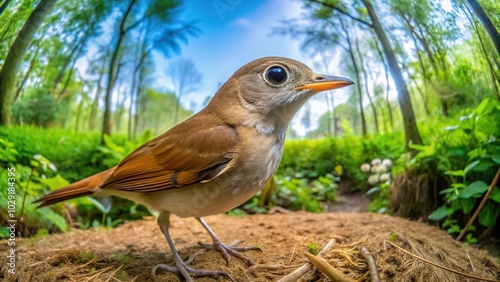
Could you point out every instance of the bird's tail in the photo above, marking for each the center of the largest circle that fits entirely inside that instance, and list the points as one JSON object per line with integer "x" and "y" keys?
{"x": 77, "y": 189}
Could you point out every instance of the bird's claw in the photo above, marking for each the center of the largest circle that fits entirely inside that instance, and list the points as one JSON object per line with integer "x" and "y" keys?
{"x": 231, "y": 250}
{"x": 188, "y": 272}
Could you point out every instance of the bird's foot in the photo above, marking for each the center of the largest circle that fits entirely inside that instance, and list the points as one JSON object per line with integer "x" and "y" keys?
{"x": 231, "y": 250}
{"x": 183, "y": 268}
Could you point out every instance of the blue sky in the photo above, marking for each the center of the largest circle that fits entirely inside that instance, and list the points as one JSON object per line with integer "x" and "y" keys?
{"x": 235, "y": 32}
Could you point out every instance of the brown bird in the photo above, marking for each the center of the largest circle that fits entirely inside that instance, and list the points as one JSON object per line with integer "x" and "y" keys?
{"x": 215, "y": 160}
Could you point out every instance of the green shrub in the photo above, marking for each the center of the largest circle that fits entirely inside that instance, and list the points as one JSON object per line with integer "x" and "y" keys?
{"x": 466, "y": 154}
{"x": 312, "y": 158}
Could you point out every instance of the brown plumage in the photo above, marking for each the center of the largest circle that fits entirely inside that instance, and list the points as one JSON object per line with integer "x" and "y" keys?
{"x": 217, "y": 159}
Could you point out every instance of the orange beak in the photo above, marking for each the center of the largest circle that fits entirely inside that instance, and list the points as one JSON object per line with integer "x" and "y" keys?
{"x": 326, "y": 82}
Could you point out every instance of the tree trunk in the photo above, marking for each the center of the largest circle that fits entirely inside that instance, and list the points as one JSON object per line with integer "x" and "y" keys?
{"x": 328, "y": 117}
{"x": 365, "y": 78}
{"x": 15, "y": 56}
{"x": 415, "y": 35}
{"x": 134, "y": 90}
{"x": 485, "y": 52}
{"x": 411, "y": 131}
{"x": 137, "y": 104}
{"x": 487, "y": 23}
{"x": 26, "y": 75}
{"x": 79, "y": 112}
{"x": 387, "y": 87}
{"x": 106, "y": 123}
{"x": 95, "y": 103}
{"x": 77, "y": 49}
{"x": 356, "y": 70}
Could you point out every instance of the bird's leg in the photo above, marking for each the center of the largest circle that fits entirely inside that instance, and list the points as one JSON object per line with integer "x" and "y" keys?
{"x": 181, "y": 267}
{"x": 226, "y": 250}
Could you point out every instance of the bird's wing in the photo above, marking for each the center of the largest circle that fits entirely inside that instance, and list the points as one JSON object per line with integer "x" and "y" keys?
{"x": 172, "y": 161}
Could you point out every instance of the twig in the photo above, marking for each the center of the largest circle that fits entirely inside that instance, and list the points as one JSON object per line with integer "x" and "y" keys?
{"x": 440, "y": 266}
{"x": 299, "y": 272}
{"x": 291, "y": 256}
{"x": 480, "y": 207}
{"x": 470, "y": 261}
{"x": 89, "y": 262}
{"x": 114, "y": 272}
{"x": 330, "y": 271}
{"x": 371, "y": 265}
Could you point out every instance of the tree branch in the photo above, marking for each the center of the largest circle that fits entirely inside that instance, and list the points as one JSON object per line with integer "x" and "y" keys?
{"x": 333, "y": 7}
{"x": 137, "y": 23}
{"x": 480, "y": 207}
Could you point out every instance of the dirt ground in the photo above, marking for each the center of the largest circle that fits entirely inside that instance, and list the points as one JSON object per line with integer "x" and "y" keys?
{"x": 128, "y": 252}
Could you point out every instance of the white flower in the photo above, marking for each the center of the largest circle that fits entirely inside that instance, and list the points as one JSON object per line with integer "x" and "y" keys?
{"x": 365, "y": 167}
{"x": 385, "y": 177}
{"x": 381, "y": 169}
{"x": 373, "y": 179}
{"x": 374, "y": 169}
{"x": 376, "y": 161}
{"x": 387, "y": 163}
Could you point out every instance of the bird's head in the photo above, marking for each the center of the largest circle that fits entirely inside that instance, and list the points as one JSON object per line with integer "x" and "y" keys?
{"x": 272, "y": 89}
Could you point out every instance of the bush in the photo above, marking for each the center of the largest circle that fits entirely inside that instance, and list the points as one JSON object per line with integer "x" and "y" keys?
{"x": 313, "y": 158}
{"x": 466, "y": 155}
{"x": 74, "y": 154}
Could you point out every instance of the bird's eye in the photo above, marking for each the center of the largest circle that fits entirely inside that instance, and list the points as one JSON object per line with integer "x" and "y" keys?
{"x": 276, "y": 75}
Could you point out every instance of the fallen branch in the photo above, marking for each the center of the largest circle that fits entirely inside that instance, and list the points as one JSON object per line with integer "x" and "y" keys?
{"x": 299, "y": 272}
{"x": 442, "y": 267}
{"x": 334, "y": 274}
{"x": 371, "y": 265}
{"x": 480, "y": 207}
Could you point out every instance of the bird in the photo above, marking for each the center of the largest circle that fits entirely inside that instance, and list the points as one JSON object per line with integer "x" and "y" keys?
{"x": 215, "y": 160}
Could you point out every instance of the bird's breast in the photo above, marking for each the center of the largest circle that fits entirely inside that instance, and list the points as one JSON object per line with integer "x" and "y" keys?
{"x": 257, "y": 159}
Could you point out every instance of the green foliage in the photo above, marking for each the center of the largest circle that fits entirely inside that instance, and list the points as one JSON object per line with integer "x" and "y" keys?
{"x": 39, "y": 110}
{"x": 76, "y": 156}
{"x": 113, "y": 152}
{"x": 294, "y": 193}
{"x": 313, "y": 247}
{"x": 312, "y": 158}
{"x": 28, "y": 183}
{"x": 467, "y": 154}
{"x": 72, "y": 153}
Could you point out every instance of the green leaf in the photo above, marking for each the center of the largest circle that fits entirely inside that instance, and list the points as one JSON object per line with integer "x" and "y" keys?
{"x": 495, "y": 195}
{"x": 456, "y": 152}
{"x": 474, "y": 189}
{"x": 480, "y": 109}
{"x": 494, "y": 157}
{"x": 470, "y": 166}
{"x": 98, "y": 205}
{"x": 439, "y": 214}
{"x": 488, "y": 215}
{"x": 466, "y": 205}
{"x": 484, "y": 165}
{"x": 455, "y": 172}
{"x": 56, "y": 219}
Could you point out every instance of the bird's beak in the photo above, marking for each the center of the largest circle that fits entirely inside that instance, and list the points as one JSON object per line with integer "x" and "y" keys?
{"x": 326, "y": 82}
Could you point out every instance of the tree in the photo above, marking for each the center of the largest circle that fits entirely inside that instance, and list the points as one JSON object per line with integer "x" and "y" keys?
{"x": 157, "y": 15}
{"x": 15, "y": 56}
{"x": 327, "y": 36}
{"x": 411, "y": 131}
{"x": 410, "y": 125}
{"x": 487, "y": 23}
{"x": 186, "y": 79}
